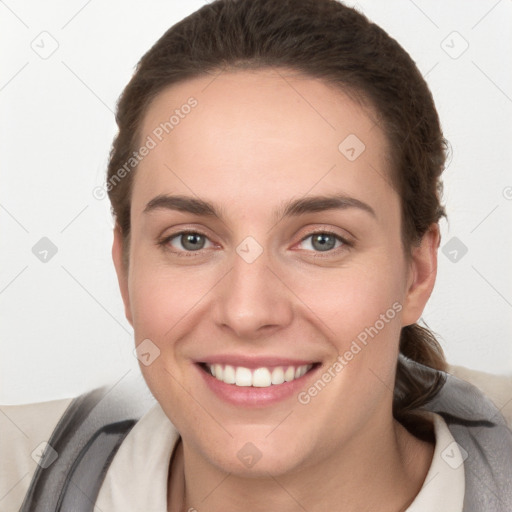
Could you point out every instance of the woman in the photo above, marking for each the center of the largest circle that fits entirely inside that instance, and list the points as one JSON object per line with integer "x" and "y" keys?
{"x": 276, "y": 188}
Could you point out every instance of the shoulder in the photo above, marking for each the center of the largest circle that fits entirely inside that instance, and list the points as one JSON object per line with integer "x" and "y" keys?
{"x": 498, "y": 388}
{"x": 23, "y": 429}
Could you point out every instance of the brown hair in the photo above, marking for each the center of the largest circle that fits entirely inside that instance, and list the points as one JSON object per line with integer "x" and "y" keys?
{"x": 327, "y": 40}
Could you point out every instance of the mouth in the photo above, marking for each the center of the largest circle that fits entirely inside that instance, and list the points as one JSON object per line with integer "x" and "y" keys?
{"x": 262, "y": 377}
{"x": 250, "y": 381}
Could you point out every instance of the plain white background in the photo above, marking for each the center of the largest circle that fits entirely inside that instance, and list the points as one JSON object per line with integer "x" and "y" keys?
{"x": 63, "y": 329}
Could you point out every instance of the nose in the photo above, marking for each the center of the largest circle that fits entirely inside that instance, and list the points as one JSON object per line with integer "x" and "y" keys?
{"x": 252, "y": 300}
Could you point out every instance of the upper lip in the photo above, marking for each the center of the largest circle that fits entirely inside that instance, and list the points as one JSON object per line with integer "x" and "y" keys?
{"x": 254, "y": 362}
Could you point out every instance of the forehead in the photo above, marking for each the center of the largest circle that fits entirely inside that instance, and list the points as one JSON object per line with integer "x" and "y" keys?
{"x": 268, "y": 133}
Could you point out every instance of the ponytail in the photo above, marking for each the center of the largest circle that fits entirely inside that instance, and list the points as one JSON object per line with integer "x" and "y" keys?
{"x": 415, "y": 388}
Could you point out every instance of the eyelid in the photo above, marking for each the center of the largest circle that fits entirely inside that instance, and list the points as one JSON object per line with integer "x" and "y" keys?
{"x": 164, "y": 241}
{"x": 346, "y": 243}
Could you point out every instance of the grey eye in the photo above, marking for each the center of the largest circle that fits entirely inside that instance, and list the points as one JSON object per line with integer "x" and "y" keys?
{"x": 192, "y": 241}
{"x": 323, "y": 241}
{"x": 188, "y": 241}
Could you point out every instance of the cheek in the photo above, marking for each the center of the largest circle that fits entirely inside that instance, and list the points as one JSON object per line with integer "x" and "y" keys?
{"x": 360, "y": 309}
{"x": 161, "y": 300}
{"x": 162, "y": 295}
{"x": 348, "y": 300}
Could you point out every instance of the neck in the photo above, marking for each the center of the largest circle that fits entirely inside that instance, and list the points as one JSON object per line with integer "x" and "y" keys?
{"x": 385, "y": 475}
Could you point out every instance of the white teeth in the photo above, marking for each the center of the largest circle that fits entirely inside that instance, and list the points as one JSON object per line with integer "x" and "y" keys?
{"x": 259, "y": 378}
{"x": 243, "y": 376}
{"x": 229, "y": 374}
{"x": 277, "y": 375}
{"x": 217, "y": 368}
{"x": 289, "y": 374}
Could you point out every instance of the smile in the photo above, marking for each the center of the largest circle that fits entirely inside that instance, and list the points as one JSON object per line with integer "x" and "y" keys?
{"x": 259, "y": 378}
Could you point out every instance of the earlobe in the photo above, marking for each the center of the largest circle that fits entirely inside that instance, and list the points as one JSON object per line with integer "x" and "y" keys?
{"x": 121, "y": 271}
{"x": 422, "y": 275}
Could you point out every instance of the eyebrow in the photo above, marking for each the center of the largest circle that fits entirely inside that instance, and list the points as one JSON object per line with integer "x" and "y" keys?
{"x": 292, "y": 208}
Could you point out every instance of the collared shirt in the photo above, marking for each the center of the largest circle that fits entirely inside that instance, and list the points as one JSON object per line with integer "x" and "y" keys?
{"x": 142, "y": 463}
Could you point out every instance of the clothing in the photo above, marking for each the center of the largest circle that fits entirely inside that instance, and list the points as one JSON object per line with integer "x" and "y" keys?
{"x": 22, "y": 429}
{"x": 140, "y": 455}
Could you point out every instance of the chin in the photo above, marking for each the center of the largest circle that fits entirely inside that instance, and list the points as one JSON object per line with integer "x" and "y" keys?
{"x": 254, "y": 456}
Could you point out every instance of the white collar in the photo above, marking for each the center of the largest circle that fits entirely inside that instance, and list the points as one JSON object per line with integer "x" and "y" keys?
{"x": 138, "y": 476}
{"x": 444, "y": 485}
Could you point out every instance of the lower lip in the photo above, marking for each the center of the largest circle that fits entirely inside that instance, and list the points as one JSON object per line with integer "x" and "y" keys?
{"x": 249, "y": 396}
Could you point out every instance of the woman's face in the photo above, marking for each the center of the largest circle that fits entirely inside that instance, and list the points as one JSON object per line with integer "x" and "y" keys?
{"x": 295, "y": 260}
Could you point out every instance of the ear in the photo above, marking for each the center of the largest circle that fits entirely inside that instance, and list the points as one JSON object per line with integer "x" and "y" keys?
{"x": 121, "y": 271}
{"x": 422, "y": 275}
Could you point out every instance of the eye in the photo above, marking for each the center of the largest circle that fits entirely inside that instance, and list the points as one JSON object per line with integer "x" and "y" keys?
{"x": 187, "y": 241}
{"x": 323, "y": 241}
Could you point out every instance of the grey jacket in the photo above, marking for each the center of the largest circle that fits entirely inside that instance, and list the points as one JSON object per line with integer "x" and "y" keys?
{"x": 95, "y": 424}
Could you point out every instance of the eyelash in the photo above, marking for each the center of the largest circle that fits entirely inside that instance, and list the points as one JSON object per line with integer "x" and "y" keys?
{"x": 345, "y": 244}
{"x": 163, "y": 243}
